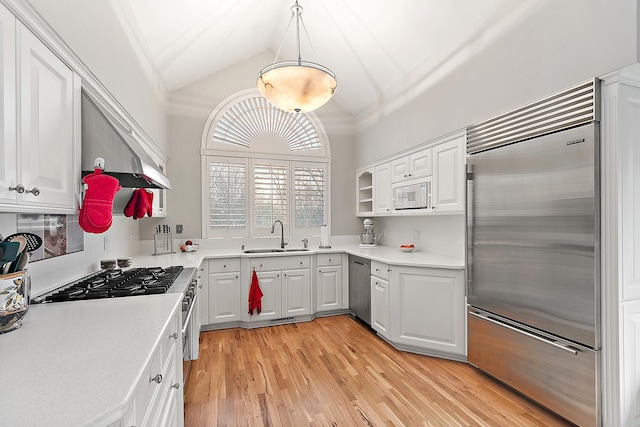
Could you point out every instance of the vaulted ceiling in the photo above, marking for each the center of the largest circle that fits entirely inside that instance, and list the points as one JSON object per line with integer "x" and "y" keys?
{"x": 380, "y": 50}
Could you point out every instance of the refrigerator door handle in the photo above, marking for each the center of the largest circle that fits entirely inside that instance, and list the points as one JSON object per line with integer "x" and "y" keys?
{"x": 566, "y": 348}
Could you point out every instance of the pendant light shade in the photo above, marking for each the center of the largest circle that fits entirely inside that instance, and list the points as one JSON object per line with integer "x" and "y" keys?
{"x": 296, "y": 86}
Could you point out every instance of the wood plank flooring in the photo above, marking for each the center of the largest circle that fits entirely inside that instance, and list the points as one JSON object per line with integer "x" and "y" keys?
{"x": 335, "y": 372}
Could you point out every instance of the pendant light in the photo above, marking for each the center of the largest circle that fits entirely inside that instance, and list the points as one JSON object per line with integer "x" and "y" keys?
{"x": 297, "y": 86}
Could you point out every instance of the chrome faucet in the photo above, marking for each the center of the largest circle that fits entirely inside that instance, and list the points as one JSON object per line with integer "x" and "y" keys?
{"x": 273, "y": 229}
{"x": 305, "y": 242}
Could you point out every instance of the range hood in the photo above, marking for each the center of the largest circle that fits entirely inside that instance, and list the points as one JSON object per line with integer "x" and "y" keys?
{"x": 104, "y": 136}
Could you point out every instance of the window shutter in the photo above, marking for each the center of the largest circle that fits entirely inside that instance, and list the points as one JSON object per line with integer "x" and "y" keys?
{"x": 309, "y": 197}
{"x": 270, "y": 195}
{"x": 227, "y": 208}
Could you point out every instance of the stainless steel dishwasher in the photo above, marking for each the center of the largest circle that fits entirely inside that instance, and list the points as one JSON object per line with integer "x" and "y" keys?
{"x": 360, "y": 288}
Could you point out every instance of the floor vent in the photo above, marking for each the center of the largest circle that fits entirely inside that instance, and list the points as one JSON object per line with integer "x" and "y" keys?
{"x": 283, "y": 319}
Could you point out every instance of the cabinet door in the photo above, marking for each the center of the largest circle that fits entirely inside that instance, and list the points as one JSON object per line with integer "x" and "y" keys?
{"x": 400, "y": 169}
{"x": 382, "y": 189}
{"x": 380, "y": 306}
{"x": 271, "y": 286}
{"x": 449, "y": 176}
{"x": 224, "y": 297}
{"x": 429, "y": 309}
{"x": 8, "y": 155}
{"x": 296, "y": 292}
{"x": 421, "y": 164}
{"x": 329, "y": 288}
{"x": 47, "y": 149}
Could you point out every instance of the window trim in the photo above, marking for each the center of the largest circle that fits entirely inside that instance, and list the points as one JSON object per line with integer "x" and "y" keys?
{"x": 209, "y": 148}
{"x": 290, "y": 230}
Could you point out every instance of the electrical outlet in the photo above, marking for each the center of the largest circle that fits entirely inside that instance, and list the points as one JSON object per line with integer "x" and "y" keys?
{"x": 179, "y": 229}
{"x": 106, "y": 243}
{"x": 416, "y": 234}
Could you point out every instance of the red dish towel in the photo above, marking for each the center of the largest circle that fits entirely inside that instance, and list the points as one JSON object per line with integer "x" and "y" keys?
{"x": 255, "y": 295}
{"x": 96, "y": 212}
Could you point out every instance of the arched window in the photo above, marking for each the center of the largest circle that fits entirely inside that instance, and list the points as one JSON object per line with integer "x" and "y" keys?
{"x": 261, "y": 164}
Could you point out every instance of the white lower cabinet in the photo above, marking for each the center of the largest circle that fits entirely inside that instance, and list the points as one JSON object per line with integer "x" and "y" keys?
{"x": 428, "y": 309}
{"x": 380, "y": 306}
{"x": 224, "y": 292}
{"x": 329, "y": 283}
{"x": 271, "y": 287}
{"x": 296, "y": 292}
{"x": 285, "y": 283}
{"x": 158, "y": 399}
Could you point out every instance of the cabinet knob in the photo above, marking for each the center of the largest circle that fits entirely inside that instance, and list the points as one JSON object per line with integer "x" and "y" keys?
{"x": 329, "y": 259}
{"x": 285, "y": 275}
{"x": 377, "y": 269}
{"x": 224, "y": 266}
{"x": 319, "y": 271}
{"x": 300, "y": 262}
{"x": 176, "y": 386}
{"x": 35, "y": 191}
{"x": 236, "y": 278}
{"x": 156, "y": 379}
{"x": 174, "y": 336}
{"x": 18, "y": 188}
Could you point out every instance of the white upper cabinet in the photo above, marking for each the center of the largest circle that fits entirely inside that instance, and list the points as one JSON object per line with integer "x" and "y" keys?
{"x": 413, "y": 166}
{"x": 449, "y": 176}
{"x": 382, "y": 189}
{"x": 39, "y": 169}
{"x": 8, "y": 155}
{"x": 46, "y": 148}
{"x": 441, "y": 165}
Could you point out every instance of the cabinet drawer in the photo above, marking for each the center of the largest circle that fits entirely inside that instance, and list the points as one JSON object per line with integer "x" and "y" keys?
{"x": 329, "y": 259}
{"x": 223, "y": 265}
{"x": 172, "y": 334}
{"x": 280, "y": 263}
{"x": 380, "y": 270}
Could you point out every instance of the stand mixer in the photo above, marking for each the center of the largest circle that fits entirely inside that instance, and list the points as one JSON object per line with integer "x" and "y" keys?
{"x": 368, "y": 238}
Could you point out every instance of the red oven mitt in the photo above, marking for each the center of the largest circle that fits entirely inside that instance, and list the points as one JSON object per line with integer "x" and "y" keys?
{"x": 130, "y": 209}
{"x": 143, "y": 204}
{"x": 96, "y": 211}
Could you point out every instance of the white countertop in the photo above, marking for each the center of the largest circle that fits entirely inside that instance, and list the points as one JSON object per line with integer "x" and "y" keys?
{"x": 77, "y": 363}
{"x": 386, "y": 254}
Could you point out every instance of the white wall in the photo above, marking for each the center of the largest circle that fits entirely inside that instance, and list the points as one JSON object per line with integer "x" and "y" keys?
{"x": 93, "y": 31}
{"x": 190, "y": 108}
{"x": 561, "y": 44}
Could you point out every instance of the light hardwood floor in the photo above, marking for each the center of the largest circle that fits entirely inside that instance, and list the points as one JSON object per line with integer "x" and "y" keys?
{"x": 335, "y": 372}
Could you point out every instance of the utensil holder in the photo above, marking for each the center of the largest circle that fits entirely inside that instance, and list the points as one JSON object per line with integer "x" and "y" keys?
{"x": 163, "y": 244}
{"x": 15, "y": 294}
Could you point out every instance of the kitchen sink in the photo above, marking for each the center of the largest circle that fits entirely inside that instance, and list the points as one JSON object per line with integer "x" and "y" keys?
{"x": 270, "y": 251}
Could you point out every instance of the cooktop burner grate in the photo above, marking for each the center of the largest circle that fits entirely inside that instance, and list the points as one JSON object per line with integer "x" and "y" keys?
{"x": 116, "y": 283}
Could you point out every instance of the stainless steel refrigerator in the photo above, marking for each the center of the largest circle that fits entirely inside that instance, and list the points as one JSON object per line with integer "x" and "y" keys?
{"x": 533, "y": 268}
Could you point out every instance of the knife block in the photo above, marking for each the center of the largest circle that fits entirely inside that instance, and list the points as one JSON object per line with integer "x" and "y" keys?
{"x": 163, "y": 244}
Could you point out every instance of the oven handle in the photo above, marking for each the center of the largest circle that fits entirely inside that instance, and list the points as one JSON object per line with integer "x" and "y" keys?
{"x": 186, "y": 322}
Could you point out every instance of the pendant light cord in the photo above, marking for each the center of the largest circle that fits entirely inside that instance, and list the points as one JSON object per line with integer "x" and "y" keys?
{"x": 296, "y": 10}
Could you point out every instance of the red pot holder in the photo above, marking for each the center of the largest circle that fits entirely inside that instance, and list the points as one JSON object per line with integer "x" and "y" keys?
{"x": 96, "y": 211}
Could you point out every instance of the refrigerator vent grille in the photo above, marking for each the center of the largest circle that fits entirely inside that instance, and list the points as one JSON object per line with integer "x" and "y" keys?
{"x": 566, "y": 109}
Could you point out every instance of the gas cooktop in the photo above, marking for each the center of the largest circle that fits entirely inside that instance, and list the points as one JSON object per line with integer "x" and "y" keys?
{"x": 115, "y": 283}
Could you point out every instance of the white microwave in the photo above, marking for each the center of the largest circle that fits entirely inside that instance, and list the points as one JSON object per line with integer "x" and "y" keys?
{"x": 414, "y": 194}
